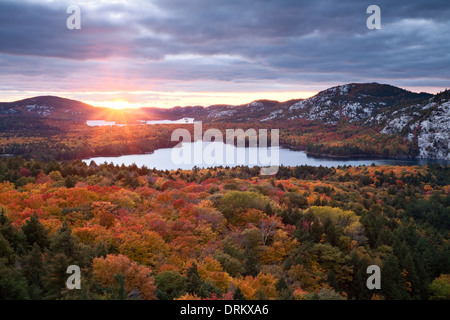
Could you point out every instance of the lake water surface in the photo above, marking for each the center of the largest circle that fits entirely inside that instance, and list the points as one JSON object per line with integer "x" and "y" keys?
{"x": 210, "y": 154}
{"x": 102, "y": 123}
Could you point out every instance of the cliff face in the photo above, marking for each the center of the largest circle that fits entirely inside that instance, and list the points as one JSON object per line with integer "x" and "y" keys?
{"x": 419, "y": 117}
{"x": 434, "y": 133}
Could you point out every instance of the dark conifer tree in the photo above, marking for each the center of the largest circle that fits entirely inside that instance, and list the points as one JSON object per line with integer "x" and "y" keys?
{"x": 238, "y": 295}
{"x": 34, "y": 271}
{"x": 392, "y": 285}
{"x": 283, "y": 290}
{"x": 193, "y": 280}
{"x": 35, "y": 232}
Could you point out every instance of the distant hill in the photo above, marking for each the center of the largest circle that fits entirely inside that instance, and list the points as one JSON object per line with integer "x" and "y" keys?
{"x": 420, "y": 117}
{"x": 48, "y": 106}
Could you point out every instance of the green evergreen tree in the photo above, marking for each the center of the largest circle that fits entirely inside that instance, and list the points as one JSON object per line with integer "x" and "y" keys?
{"x": 316, "y": 230}
{"x": 238, "y": 295}
{"x": 35, "y": 232}
{"x": 64, "y": 242}
{"x": 170, "y": 285}
{"x": 193, "y": 280}
{"x": 34, "y": 271}
{"x": 406, "y": 263}
{"x": 207, "y": 288}
{"x": 385, "y": 237}
{"x": 6, "y": 252}
{"x": 330, "y": 231}
{"x": 11, "y": 234}
{"x": 13, "y": 285}
{"x": 331, "y": 277}
{"x": 357, "y": 287}
{"x": 251, "y": 263}
{"x": 64, "y": 251}
{"x": 391, "y": 280}
{"x": 283, "y": 290}
{"x": 120, "y": 293}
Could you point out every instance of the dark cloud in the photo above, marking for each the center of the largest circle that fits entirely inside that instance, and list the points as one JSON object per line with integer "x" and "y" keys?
{"x": 289, "y": 41}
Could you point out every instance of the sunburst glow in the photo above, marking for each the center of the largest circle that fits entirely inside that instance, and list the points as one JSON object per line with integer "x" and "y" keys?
{"x": 172, "y": 99}
{"x": 117, "y": 104}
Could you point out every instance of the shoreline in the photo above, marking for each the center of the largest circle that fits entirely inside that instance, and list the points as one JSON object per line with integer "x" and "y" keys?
{"x": 351, "y": 156}
{"x": 284, "y": 146}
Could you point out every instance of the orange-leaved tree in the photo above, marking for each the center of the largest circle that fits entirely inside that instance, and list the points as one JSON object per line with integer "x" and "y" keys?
{"x": 137, "y": 278}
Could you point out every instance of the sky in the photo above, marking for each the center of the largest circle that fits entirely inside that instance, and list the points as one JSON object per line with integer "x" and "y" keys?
{"x": 165, "y": 53}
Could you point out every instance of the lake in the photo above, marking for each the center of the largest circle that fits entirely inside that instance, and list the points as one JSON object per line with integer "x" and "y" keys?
{"x": 210, "y": 154}
{"x": 101, "y": 123}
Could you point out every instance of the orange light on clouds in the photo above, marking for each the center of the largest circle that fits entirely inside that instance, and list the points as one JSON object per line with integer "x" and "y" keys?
{"x": 117, "y": 104}
{"x": 173, "y": 99}
{"x": 121, "y": 99}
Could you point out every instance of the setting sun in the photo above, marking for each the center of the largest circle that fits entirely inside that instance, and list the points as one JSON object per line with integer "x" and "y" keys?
{"x": 139, "y": 99}
{"x": 117, "y": 104}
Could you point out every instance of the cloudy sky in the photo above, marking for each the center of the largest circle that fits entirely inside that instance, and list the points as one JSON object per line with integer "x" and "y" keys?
{"x": 166, "y": 53}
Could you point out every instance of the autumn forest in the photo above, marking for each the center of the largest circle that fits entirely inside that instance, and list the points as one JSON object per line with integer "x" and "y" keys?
{"x": 306, "y": 233}
{"x": 223, "y": 159}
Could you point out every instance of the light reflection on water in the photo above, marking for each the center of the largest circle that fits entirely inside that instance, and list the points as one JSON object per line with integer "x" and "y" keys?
{"x": 169, "y": 158}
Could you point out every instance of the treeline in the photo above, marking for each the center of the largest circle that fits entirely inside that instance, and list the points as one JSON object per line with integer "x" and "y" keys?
{"x": 66, "y": 140}
{"x": 23, "y": 126}
{"x": 345, "y": 139}
{"x": 75, "y": 141}
{"x": 63, "y": 151}
{"x": 348, "y": 150}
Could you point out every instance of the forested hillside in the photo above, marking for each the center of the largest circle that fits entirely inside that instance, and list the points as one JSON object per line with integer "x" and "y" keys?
{"x": 223, "y": 233}
{"x": 367, "y": 119}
